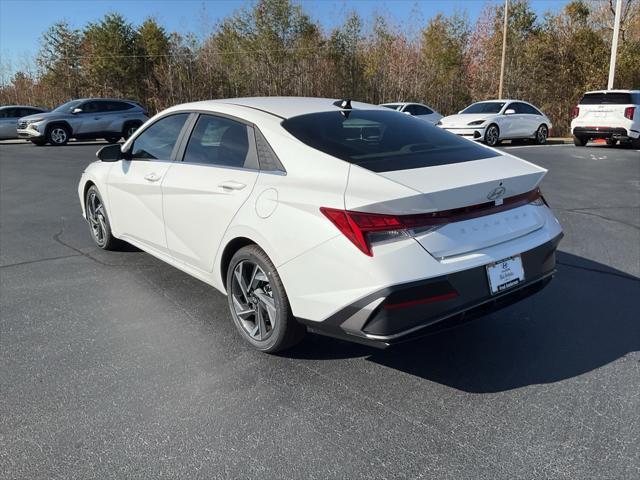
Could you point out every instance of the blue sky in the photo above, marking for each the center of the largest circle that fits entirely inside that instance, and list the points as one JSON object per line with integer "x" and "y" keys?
{"x": 23, "y": 21}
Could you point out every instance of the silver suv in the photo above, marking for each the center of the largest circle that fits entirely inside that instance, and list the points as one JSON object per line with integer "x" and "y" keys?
{"x": 87, "y": 118}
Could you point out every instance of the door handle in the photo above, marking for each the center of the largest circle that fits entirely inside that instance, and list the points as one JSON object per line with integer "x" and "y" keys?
{"x": 152, "y": 177}
{"x": 232, "y": 185}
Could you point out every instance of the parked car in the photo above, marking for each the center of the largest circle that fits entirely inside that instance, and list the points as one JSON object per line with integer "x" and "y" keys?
{"x": 87, "y": 118}
{"x": 492, "y": 121}
{"x": 9, "y": 116}
{"x": 613, "y": 115}
{"x": 285, "y": 205}
{"x": 418, "y": 110}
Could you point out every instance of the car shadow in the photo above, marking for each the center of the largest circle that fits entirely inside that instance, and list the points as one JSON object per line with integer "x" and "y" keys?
{"x": 586, "y": 318}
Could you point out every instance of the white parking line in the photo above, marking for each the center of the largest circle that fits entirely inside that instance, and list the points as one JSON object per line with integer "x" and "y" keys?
{"x": 537, "y": 146}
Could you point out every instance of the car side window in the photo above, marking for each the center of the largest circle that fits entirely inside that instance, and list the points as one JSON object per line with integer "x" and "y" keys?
{"x": 9, "y": 113}
{"x": 411, "y": 109}
{"x": 90, "y": 107}
{"x": 158, "y": 141}
{"x": 221, "y": 141}
{"x": 420, "y": 110}
{"x": 529, "y": 109}
{"x": 113, "y": 106}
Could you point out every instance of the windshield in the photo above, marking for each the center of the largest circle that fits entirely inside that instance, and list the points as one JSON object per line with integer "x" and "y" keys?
{"x": 484, "y": 107}
{"x": 382, "y": 140}
{"x": 67, "y": 107}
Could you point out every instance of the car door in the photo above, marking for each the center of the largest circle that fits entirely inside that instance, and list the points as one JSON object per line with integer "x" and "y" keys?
{"x": 510, "y": 124}
{"x": 8, "y": 122}
{"x": 202, "y": 193}
{"x": 91, "y": 119}
{"x": 533, "y": 118}
{"x": 134, "y": 184}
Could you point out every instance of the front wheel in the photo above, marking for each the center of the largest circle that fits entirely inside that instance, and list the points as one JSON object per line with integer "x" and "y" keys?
{"x": 492, "y": 135}
{"x": 99, "y": 225}
{"x": 258, "y": 302}
{"x": 579, "y": 141}
{"x": 58, "y": 135}
{"x": 542, "y": 134}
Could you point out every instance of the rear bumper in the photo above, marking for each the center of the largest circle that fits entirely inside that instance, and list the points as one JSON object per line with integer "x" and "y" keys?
{"x": 603, "y": 132}
{"x": 372, "y": 322}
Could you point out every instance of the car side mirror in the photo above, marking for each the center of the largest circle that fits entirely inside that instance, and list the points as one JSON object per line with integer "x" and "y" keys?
{"x": 110, "y": 153}
{"x": 406, "y": 113}
{"x": 509, "y": 111}
{"x": 76, "y": 110}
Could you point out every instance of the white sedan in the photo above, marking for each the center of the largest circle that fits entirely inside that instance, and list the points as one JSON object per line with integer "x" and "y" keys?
{"x": 347, "y": 218}
{"x": 492, "y": 121}
{"x": 418, "y": 110}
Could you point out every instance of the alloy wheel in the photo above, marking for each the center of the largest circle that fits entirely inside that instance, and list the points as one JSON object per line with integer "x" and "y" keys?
{"x": 96, "y": 217}
{"x": 58, "y": 135}
{"x": 253, "y": 301}
{"x": 491, "y": 137}
{"x": 542, "y": 134}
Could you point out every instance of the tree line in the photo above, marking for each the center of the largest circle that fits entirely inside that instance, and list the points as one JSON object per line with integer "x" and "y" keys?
{"x": 273, "y": 47}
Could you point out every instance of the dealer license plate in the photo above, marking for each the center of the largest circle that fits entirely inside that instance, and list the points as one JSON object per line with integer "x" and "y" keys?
{"x": 505, "y": 274}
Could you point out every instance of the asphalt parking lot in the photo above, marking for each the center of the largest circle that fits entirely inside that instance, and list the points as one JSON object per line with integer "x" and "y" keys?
{"x": 115, "y": 365}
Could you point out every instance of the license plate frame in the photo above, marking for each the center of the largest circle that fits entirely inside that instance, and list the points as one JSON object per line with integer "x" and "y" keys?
{"x": 505, "y": 274}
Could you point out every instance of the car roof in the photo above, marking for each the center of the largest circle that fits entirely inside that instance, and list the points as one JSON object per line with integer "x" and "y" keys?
{"x": 21, "y": 106}
{"x": 613, "y": 91}
{"x": 283, "y": 107}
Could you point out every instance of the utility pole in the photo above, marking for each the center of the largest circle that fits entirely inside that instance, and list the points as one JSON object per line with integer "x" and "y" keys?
{"x": 504, "y": 45}
{"x": 614, "y": 44}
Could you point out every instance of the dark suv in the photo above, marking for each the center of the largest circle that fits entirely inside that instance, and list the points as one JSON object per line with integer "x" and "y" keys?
{"x": 87, "y": 118}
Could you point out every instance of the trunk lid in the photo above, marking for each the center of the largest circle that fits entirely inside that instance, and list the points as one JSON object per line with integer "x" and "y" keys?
{"x": 448, "y": 187}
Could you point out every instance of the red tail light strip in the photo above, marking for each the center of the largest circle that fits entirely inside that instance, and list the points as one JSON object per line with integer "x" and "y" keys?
{"x": 356, "y": 225}
{"x": 421, "y": 301}
{"x": 628, "y": 112}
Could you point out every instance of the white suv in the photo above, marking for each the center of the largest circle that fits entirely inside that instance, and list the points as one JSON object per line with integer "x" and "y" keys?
{"x": 613, "y": 115}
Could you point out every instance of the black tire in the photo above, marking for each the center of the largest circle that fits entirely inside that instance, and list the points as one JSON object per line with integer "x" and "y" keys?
{"x": 611, "y": 142}
{"x": 129, "y": 129}
{"x": 579, "y": 141}
{"x": 112, "y": 139}
{"x": 635, "y": 142}
{"x": 260, "y": 296}
{"x": 492, "y": 135}
{"x": 58, "y": 135}
{"x": 99, "y": 221}
{"x": 542, "y": 134}
{"x": 39, "y": 143}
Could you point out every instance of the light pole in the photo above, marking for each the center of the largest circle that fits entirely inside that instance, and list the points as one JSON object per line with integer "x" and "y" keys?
{"x": 614, "y": 44}
{"x": 504, "y": 45}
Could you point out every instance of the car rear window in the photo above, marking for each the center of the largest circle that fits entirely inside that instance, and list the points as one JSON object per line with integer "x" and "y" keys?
{"x": 383, "y": 140}
{"x": 606, "y": 98}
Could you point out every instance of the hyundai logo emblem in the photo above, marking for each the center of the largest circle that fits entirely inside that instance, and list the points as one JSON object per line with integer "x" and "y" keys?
{"x": 496, "y": 193}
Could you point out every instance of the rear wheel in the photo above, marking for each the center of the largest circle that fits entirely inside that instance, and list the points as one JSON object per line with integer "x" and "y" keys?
{"x": 542, "y": 134}
{"x": 58, "y": 135}
{"x": 635, "y": 142}
{"x": 611, "y": 142}
{"x": 99, "y": 225}
{"x": 579, "y": 141}
{"x": 258, "y": 302}
{"x": 492, "y": 135}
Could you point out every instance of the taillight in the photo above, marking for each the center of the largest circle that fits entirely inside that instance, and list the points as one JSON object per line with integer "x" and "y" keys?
{"x": 575, "y": 112}
{"x": 363, "y": 229}
{"x": 628, "y": 112}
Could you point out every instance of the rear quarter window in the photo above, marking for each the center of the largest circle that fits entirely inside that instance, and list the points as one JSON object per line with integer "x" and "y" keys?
{"x": 383, "y": 140}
